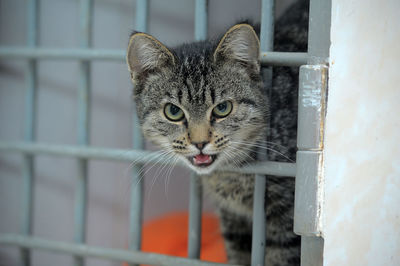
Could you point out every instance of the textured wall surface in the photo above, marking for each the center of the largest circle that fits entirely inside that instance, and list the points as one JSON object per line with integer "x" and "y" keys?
{"x": 362, "y": 155}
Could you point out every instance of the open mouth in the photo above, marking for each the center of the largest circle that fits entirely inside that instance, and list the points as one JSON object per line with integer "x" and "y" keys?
{"x": 202, "y": 160}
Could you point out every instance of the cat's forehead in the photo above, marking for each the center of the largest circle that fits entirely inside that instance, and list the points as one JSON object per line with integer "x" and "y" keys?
{"x": 195, "y": 77}
{"x": 194, "y": 62}
{"x": 193, "y": 92}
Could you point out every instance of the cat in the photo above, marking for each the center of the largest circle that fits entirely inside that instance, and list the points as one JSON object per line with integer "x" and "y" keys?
{"x": 205, "y": 103}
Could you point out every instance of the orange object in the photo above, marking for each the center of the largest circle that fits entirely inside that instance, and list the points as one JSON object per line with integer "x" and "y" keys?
{"x": 168, "y": 235}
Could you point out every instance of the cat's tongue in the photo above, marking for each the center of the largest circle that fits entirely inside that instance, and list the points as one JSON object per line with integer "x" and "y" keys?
{"x": 202, "y": 159}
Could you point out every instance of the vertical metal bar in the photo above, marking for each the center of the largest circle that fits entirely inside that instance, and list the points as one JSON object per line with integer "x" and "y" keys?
{"x": 259, "y": 215}
{"x": 259, "y": 220}
{"x": 312, "y": 103}
{"x": 195, "y": 207}
{"x": 136, "y": 211}
{"x": 195, "y": 200}
{"x": 267, "y": 36}
{"x": 85, "y": 8}
{"x": 142, "y": 13}
{"x": 201, "y": 20}
{"x": 267, "y": 25}
{"x": 29, "y": 130}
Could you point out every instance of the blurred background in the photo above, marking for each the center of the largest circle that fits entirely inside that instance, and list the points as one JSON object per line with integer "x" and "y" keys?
{"x": 172, "y": 22}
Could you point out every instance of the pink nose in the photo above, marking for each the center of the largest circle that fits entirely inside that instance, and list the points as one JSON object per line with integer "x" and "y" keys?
{"x": 200, "y": 145}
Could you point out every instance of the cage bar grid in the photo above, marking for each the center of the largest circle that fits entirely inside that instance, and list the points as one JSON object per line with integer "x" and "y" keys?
{"x": 316, "y": 55}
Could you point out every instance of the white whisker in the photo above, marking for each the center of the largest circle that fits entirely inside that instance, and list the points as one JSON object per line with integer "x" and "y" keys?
{"x": 169, "y": 172}
{"x": 170, "y": 157}
{"x": 261, "y": 147}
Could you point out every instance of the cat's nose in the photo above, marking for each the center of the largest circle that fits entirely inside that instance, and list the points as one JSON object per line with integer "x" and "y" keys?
{"x": 200, "y": 145}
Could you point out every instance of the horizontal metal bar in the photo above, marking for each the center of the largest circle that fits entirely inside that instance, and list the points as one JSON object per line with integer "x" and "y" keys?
{"x": 77, "y": 151}
{"x": 266, "y": 168}
{"x": 56, "y": 53}
{"x": 283, "y": 58}
{"x": 98, "y": 252}
{"x": 138, "y": 156}
{"x": 267, "y": 58}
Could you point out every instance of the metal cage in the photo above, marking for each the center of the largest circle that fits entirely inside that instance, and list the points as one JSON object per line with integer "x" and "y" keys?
{"x": 312, "y": 96}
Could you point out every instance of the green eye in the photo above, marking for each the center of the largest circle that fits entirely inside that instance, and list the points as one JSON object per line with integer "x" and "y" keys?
{"x": 223, "y": 109}
{"x": 173, "y": 112}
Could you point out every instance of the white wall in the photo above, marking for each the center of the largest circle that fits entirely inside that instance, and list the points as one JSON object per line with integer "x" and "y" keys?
{"x": 362, "y": 155}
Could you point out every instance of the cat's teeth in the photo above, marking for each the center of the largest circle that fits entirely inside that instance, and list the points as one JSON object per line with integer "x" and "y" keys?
{"x": 202, "y": 159}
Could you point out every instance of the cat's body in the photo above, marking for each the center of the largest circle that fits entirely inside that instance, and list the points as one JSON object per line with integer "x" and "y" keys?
{"x": 205, "y": 103}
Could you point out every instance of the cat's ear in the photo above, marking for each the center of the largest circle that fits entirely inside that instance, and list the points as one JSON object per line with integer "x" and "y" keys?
{"x": 240, "y": 43}
{"x": 146, "y": 53}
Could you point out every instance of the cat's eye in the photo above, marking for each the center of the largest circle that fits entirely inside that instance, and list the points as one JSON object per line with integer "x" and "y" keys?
{"x": 173, "y": 112}
{"x": 223, "y": 109}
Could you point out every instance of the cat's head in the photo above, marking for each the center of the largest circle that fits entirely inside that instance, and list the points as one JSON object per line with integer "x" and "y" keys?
{"x": 203, "y": 101}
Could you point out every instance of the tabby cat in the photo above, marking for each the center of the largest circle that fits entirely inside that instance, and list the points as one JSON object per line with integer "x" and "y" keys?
{"x": 205, "y": 102}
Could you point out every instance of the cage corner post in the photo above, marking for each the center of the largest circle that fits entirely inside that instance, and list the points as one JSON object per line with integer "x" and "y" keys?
{"x": 310, "y": 139}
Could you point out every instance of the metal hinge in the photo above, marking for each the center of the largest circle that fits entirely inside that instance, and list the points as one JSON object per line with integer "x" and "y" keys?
{"x": 310, "y": 160}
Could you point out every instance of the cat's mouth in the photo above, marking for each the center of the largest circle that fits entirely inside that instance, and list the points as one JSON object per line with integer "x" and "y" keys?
{"x": 202, "y": 160}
